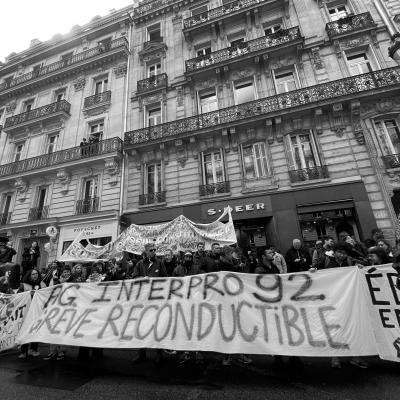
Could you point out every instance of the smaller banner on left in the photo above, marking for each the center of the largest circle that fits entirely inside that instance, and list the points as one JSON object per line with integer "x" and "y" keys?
{"x": 13, "y": 309}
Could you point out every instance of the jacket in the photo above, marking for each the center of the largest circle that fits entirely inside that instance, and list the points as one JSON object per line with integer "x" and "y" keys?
{"x": 182, "y": 270}
{"x": 302, "y": 265}
{"x": 7, "y": 256}
{"x": 151, "y": 268}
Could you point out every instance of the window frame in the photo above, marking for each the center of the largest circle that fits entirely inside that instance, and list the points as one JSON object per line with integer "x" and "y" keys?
{"x": 151, "y": 29}
{"x": 358, "y": 64}
{"x": 103, "y": 83}
{"x": 157, "y": 70}
{"x": 295, "y": 76}
{"x": 96, "y": 133}
{"x": 337, "y": 13}
{"x": 149, "y": 109}
{"x": 158, "y": 178}
{"x": 244, "y": 83}
{"x": 214, "y": 171}
{"x": 48, "y": 143}
{"x": 317, "y": 156}
{"x": 18, "y": 154}
{"x": 207, "y": 94}
{"x": 264, "y": 161}
{"x": 272, "y": 28}
{"x": 387, "y": 139}
{"x": 94, "y": 191}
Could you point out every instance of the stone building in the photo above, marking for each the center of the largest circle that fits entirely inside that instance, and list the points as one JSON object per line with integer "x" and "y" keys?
{"x": 52, "y": 96}
{"x": 286, "y": 110}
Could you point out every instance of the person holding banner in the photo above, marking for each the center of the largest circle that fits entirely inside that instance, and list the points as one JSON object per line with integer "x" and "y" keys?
{"x": 149, "y": 266}
{"x": 31, "y": 282}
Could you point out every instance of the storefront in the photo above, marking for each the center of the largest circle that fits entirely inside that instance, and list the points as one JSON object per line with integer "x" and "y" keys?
{"x": 98, "y": 233}
{"x": 278, "y": 218}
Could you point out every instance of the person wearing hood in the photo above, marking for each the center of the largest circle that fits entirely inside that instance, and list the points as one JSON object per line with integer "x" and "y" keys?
{"x": 297, "y": 258}
{"x": 31, "y": 282}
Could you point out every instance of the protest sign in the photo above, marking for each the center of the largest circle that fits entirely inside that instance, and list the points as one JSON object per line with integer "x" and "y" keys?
{"x": 384, "y": 299}
{"x": 180, "y": 234}
{"x": 13, "y": 310}
{"x": 302, "y": 314}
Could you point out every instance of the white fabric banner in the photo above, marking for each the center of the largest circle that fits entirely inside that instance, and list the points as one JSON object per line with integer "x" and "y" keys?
{"x": 13, "y": 310}
{"x": 180, "y": 234}
{"x": 303, "y": 314}
{"x": 384, "y": 299}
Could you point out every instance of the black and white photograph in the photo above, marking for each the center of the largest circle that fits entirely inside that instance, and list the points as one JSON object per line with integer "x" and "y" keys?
{"x": 200, "y": 199}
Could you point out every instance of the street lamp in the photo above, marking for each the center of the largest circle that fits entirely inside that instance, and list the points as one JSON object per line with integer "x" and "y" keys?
{"x": 394, "y": 49}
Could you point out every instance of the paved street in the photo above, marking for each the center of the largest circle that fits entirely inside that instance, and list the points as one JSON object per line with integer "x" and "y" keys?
{"x": 113, "y": 377}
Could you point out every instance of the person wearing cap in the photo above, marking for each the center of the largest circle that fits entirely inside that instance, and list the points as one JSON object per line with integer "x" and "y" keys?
{"x": 187, "y": 267}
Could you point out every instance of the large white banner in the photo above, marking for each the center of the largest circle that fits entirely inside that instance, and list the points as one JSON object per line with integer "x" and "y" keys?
{"x": 384, "y": 306}
{"x": 180, "y": 234}
{"x": 13, "y": 310}
{"x": 302, "y": 314}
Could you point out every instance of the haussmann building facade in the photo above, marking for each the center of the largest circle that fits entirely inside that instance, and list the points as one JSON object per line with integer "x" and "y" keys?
{"x": 288, "y": 111}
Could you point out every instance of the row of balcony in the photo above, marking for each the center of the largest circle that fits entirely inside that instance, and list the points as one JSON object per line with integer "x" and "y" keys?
{"x": 329, "y": 92}
{"x": 261, "y": 44}
{"x": 119, "y": 45}
{"x": 63, "y": 156}
{"x": 341, "y": 27}
{"x": 85, "y": 206}
{"x": 224, "y": 187}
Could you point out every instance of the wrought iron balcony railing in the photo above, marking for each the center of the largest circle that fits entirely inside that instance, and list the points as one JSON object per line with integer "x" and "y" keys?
{"x": 391, "y": 161}
{"x": 63, "y": 156}
{"x": 97, "y": 99}
{"x": 351, "y": 23}
{"x": 214, "y": 188}
{"x": 270, "y": 41}
{"x": 5, "y": 218}
{"x": 38, "y": 113}
{"x": 152, "y": 198}
{"x": 325, "y": 92}
{"x": 234, "y": 7}
{"x": 38, "y": 213}
{"x": 87, "y": 206}
{"x": 308, "y": 174}
{"x": 65, "y": 63}
{"x": 152, "y": 83}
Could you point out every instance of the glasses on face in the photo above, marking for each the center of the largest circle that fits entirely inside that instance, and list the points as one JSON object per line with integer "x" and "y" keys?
{"x": 152, "y": 249}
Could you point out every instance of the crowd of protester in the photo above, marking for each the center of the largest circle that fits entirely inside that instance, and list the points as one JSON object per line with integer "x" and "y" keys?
{"x": 327, "y": 253}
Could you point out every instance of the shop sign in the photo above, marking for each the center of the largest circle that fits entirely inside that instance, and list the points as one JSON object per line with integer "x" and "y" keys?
{"x": 96, "y": 229}
{"x": 243, "y": 208}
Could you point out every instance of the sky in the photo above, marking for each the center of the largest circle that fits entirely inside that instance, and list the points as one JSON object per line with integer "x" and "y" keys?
{"x": 24, "y": 20}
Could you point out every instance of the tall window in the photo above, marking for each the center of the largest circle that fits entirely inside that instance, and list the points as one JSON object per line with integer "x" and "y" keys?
{"x": 100, "y": 86}
{"x": 302, "y": 151}
{"x": 213, "y": 167}
{"x": 96, "y": 131}
{"x": 244, "y": 92}
{"x": 52, "y": 143}
{"x": 285, "y": 82}
{"x": 41, "y": 198}
{"x": 19, "y": 148}
{"x": 358, "y": 64}
{"x": 60, "y": 95}
{"x": 28, "y": 104}
{"x": 5, "y": 209}
{"x": 255, "y": 164}
{"x": 389, "y": 136}
{"x": 154, "y": 33}
{"x": 90, "y": 188}
{"x": 337, "y": 12}
{"x": 154, "y": 69}
{"x": 272, "y": 29}
{"x": 208, "y": 101}
{"x": 153, "y": 178}
{"x": 154, "y": 116}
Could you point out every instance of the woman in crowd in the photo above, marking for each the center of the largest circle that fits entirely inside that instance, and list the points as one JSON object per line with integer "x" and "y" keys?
{"x": 31, "y": 282}
{"x": 30, "y": 257}
{"x": 58, "y": 351}
{"x": 78, "y": 273}
{"x": 383, "y": 244}
{"x": 377, "y": 256}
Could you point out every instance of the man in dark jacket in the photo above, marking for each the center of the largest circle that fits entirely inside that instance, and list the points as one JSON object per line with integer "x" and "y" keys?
{"x": 266, "y": 265}
{"x": 297, "y": 258}
{"x": 199, "y": 257}
{"x": 6, "y": 253}
{"x": 212, "y": 262}
{"x": 340, "y": 257}
{"x": 150, "y": 265}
